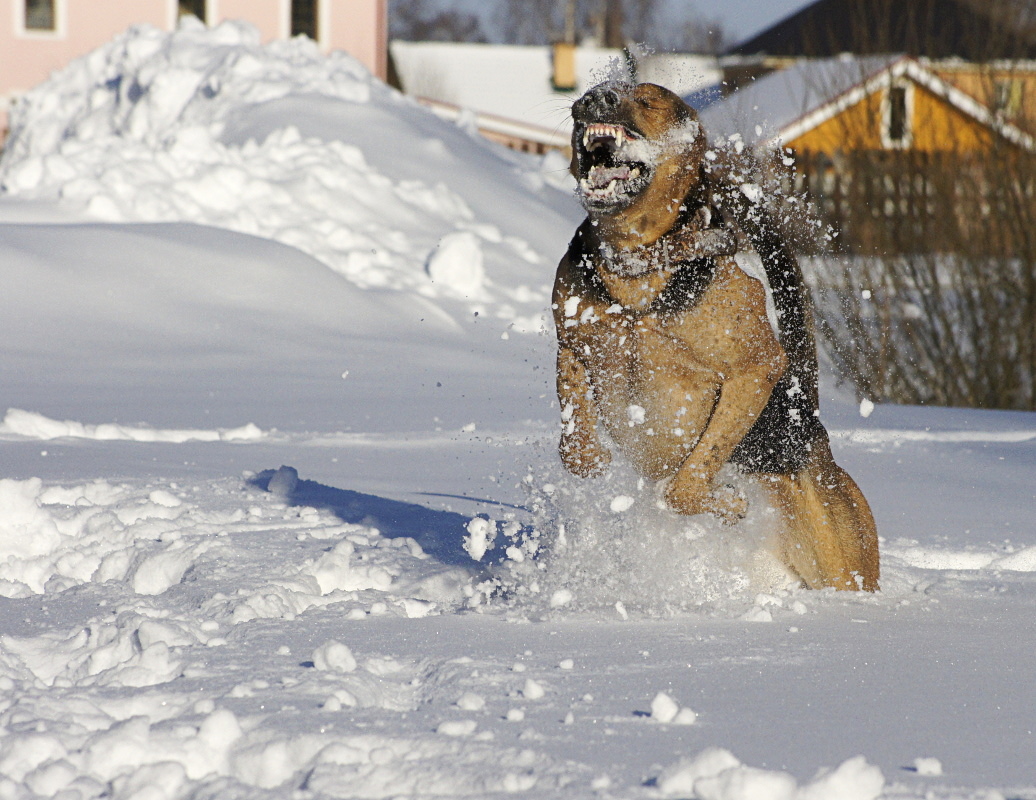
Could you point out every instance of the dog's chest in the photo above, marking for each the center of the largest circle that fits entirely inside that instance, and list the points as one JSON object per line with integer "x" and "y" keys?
{"x": 623, "y": 343}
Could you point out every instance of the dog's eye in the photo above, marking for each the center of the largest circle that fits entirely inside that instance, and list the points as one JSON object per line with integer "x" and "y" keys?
{"x": 644, "y": 102}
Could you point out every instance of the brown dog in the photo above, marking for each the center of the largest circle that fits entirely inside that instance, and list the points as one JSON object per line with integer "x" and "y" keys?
{"x": 665, "y": 342}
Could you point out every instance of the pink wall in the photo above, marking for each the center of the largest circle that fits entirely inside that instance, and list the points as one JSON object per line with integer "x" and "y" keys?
{"x": 360, "y": 27}
{"x": 27, "y": 58}
{"x": 351, "y": 22}
{"x": 269, "y": 16}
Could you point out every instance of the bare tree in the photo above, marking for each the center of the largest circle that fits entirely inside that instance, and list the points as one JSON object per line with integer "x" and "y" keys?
{"x": 612, "y": 23}
{"x": 421, "y": 21}
{"x": 928, "y": 294}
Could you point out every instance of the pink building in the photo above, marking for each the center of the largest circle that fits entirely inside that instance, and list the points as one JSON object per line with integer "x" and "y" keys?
{"x": 39, "y": 36}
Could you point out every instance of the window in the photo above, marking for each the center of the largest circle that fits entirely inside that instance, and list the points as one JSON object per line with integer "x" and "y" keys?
{"x": 40, "y": 15}
{"x": 192, "y": 8}
{"x": 896, "y": 123}
{"x": 1007, "y": 97}
{"x": 304, "y": 18}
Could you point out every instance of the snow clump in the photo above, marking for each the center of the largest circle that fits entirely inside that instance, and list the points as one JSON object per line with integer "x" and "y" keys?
{"x": 717, "y": 774}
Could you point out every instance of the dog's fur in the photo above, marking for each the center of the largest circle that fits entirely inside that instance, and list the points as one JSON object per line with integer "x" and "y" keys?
{"x": 665, "y": 343}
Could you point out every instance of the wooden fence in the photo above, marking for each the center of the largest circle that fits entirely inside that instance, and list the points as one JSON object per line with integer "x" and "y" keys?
{"x": 901, "y": 202}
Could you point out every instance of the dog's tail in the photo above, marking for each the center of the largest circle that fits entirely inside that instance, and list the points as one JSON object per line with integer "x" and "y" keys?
{"x": 747, "y": 208}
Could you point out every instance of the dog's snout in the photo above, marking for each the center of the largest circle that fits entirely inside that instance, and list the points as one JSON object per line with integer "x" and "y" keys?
{"x": 600, "y": 101}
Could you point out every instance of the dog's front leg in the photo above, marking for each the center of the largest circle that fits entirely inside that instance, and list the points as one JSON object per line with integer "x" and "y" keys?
{"x": 742, "y": 398}
{"x": 581, "y": 449}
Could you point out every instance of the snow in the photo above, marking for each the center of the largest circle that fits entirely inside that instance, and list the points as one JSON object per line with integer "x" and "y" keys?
{"x": 227, "y": 572}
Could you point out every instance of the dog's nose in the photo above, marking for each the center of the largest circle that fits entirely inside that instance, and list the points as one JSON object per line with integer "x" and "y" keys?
{"x": 600, "y": 100}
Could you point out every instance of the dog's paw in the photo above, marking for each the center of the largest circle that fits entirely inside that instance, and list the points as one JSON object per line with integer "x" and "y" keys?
{"x": 725, "y": 502}
{"x": 583, "y": 459}
{"x": 728, "y": 503}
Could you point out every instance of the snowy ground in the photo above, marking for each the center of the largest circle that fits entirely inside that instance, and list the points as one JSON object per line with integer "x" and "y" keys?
{"x": 220, "y": 260}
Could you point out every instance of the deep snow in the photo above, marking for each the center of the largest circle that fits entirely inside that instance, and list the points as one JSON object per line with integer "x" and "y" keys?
{"x": 221, "y": 258}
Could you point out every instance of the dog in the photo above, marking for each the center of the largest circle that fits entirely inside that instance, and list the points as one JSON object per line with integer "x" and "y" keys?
{"x": 664, "y": 342}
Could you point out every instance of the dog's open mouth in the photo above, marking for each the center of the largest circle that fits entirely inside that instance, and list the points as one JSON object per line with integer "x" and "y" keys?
{"x": 611, "y": 168}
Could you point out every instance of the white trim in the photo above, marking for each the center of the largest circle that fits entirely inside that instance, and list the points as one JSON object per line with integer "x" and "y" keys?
{"x": 908, "y": 112}
{"x": 838, "y": 104}
{"x": 60, "y": 30}
{"x": 323, "y": 14}
{"x": 285, "y": 19}
{"x": 172, "y": 14}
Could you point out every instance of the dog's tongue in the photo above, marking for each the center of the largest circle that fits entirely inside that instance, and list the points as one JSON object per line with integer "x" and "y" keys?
{"x": 600, "y": 177}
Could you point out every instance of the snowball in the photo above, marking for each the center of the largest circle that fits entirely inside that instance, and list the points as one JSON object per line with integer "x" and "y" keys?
{"x": 566, "y": 663}
{"x": 757, "y": 614}
{"x": 456, "y": 265}
{"x": 283, "y": 483}
{"x": 459, "y": 727}
{"x": 562, "y": 597}
{"x": 621, "y": 503}
{"x": 929, "y": 767}
{"x": 866, "y": 408}
{"x": 481, "y": 533}
{"x": 664, "y": 708}
{"x": 469, "y": 701}
{"x": 334, "y": 656}
{"x": 532, "y": 690}
{"x": 685, "y": 716}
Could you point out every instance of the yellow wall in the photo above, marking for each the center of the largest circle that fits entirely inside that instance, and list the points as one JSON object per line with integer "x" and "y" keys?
{"x": 936, "y": 126}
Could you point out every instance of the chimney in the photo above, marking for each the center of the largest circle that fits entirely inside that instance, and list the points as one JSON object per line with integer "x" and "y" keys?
{"x": 564, "y": 74}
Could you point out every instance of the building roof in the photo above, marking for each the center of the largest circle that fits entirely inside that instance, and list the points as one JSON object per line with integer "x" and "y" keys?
{"x": 514, "y": 81}
{"x": 784, "y": 105}
{"x": 977, "y": 30}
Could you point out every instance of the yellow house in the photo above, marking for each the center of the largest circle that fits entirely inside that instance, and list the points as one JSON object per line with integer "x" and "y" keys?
{"x": 847, "y": 104}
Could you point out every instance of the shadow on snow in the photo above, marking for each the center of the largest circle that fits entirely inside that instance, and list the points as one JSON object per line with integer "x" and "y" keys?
{"x": 440, "y": 533}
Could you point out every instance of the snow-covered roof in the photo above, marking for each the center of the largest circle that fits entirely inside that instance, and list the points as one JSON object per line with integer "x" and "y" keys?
{"x": 785, "y": 104}
{"x": 769, "y": 107}
{"x": 514, "y": 81}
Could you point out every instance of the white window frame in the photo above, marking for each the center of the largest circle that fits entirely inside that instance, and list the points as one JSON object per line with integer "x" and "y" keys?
{"x": 886, "y": 115}
{"x": 60, "y": 30}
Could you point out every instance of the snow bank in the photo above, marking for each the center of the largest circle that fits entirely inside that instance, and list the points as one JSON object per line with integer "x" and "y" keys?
{"x": 203, "y": 125}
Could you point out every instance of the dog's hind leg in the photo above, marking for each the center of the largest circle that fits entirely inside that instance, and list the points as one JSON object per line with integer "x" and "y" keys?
{"x": 828, "y": 538}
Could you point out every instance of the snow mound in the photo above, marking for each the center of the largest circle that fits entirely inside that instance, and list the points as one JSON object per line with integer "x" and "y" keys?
{"x": 206, "y": 125}
{"x": 55, "y": 538}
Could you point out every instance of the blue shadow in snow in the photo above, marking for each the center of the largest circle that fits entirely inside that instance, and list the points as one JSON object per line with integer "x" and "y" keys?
{"x": 440, "y": 533}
